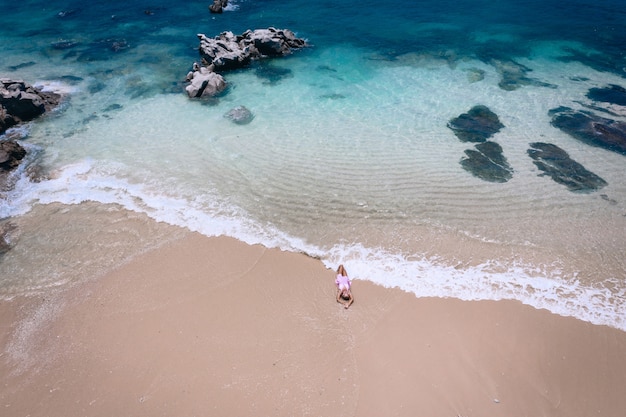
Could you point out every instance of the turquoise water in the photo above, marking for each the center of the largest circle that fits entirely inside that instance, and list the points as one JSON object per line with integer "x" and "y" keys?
{"x": 348, "y": 158}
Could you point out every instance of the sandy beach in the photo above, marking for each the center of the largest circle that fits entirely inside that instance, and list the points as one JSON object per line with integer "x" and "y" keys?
{"x": 214, "y": 327}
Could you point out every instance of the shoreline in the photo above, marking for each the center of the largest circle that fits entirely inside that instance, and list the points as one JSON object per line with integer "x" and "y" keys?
{"x": 213, "y": 326}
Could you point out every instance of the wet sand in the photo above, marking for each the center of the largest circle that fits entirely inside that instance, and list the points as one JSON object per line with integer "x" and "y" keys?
{"x": 214, "y": 327}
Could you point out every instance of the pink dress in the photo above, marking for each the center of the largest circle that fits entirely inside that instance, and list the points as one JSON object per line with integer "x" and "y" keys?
{"x": 343, "y": 282}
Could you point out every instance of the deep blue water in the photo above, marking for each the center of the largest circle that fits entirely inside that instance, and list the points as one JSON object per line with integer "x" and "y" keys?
{"x": 485, "y": 29}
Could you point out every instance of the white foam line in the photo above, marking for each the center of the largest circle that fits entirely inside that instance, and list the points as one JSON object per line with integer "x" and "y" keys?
{"x": 79, "y": 182}
{"x": 427, "y": 278}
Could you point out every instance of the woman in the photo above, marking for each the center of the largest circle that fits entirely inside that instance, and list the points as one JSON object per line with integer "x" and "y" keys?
{"x": 344, "y": 295}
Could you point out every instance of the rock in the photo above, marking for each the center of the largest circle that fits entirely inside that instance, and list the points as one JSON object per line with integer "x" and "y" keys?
{"x": 218, "y": 6}
{"x": 273, "y": 42}
{"x": 239, "y": 115}
{"x": 228, "y": 51}
{"x": 224, "y": 52}
{"x": 11, "y": 153}
{"x": 21, "y": 102}
{"x": 204, "y": 83}
{"x": 477, "y": 125}
{"x": 591, "y": 129}
{"x": 487, "y": 163}
{"x": 556, "y": 163}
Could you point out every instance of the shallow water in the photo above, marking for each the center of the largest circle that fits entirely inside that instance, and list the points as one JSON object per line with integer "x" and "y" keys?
{"x": 348, "y": 158}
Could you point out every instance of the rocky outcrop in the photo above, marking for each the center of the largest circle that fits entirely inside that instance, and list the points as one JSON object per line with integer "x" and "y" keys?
{"x": 557, "y": 164}
{"x": 477, "y": 125}
{"x": 591, "y": 128}
{"x": 228, "y": 51}
{"x": 486, "y": 161}
{"x": 21, "y": 102}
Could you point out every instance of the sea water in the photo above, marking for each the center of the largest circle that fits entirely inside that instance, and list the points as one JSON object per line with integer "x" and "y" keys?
{"x": 348, "y": 157}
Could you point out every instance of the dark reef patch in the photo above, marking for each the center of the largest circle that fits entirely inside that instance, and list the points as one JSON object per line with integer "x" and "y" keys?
{"x": 613, "y": 94}
{"x": 477, "y": 125}
{"x": 514, "y": 75}
{"x": 591, "y": 129}
{"x": 612, "y": 60}
{"x": 22, "y": 65}
{"x": 556, "y": 163}
{"x": 487, "y": 162}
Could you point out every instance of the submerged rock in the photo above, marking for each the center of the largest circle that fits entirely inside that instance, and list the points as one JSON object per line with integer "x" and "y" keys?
{"x": 487, "y": 162}
{"x": 591, "y": 129}
{"x": 475, "y": 74}
{"x": 514, "y": 75}
{"x": 21, "y": 65}
{"x": 239, "y": 115}
{"x": 272, "y": 74}
{"x": 557, "y": 164}
{"x": 477, "y": 125}
{"x": 613, "y": 94}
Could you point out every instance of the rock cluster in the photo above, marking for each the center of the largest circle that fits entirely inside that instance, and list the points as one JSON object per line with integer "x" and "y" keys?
{"x": 21, "y": 102}
{"x": 228, "y": 51}
{"x": 487, "y": 161}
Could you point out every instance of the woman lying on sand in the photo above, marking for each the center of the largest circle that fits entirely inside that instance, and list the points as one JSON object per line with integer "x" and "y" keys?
{"x": 344, "y": 295}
